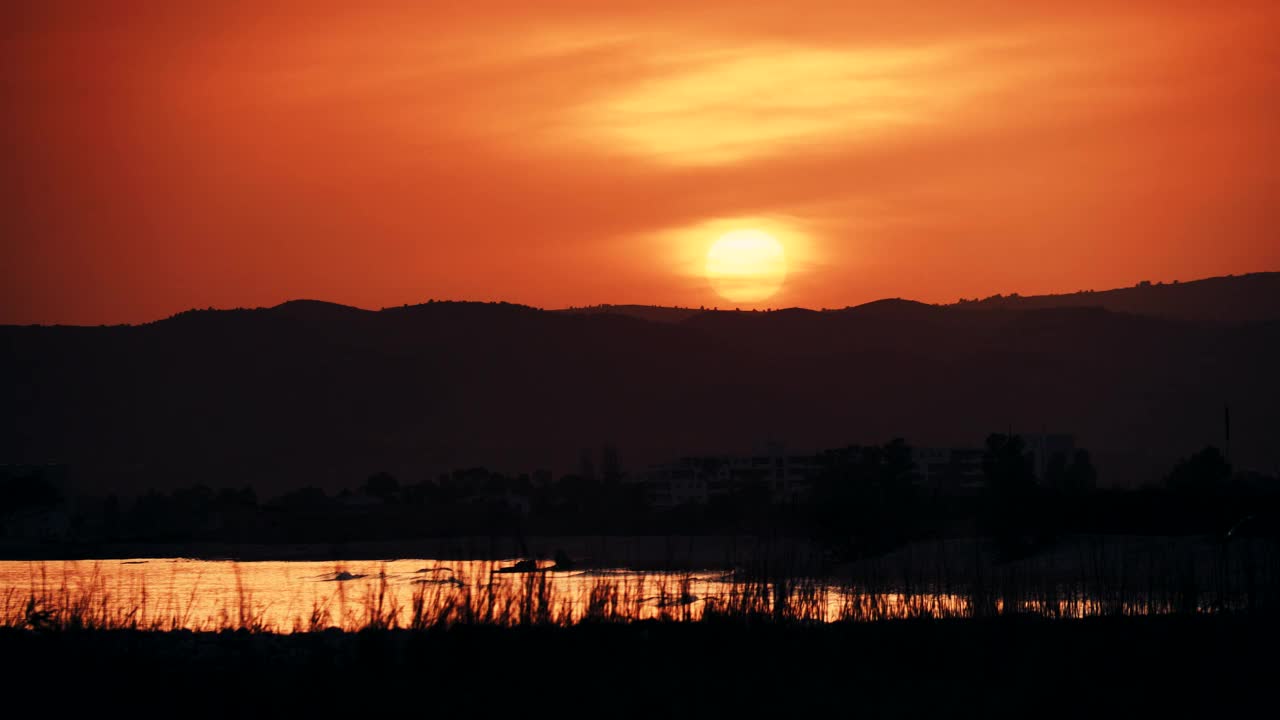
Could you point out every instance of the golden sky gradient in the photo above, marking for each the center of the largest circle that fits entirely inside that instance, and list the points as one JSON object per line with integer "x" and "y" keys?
{"x": 160, "y": 156}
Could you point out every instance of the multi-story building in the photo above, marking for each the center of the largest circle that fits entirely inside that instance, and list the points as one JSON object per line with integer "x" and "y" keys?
{"x": 1043, "y": 447}
{"x": 787, "y": 477}
{"x": 770, "y": 472}
{"x": 950, "y": 471}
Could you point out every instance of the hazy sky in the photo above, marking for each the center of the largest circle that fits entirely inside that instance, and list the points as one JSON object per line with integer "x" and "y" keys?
{"x": 158, "y": 158}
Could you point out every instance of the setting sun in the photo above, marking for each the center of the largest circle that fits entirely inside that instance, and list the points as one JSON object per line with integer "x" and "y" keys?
{"x": 746, "y": 266}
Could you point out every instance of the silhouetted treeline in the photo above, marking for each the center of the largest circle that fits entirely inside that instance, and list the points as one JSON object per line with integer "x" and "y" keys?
{"x": 863, "y": 500}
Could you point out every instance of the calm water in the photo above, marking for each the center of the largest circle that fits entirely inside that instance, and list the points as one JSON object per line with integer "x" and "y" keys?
{"x": 298, "y": 595}
{"x": 1135, "y": 578}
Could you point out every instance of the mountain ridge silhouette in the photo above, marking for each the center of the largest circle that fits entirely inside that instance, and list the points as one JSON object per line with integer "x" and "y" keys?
{"x": 313, "y": 393}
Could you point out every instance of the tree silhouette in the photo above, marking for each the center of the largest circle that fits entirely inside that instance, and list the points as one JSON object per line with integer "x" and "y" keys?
{"x": 1073, "y": 477}
{"x": 1012, "y": 518}
{"x": 1207, "y": 470}
{"x": 863, "y": 499}
{"x": 1006, "y": 466}
{"x": 383, "y": 486}
{"x": 1082, "y": 476}
{"x": 23, "y": 493}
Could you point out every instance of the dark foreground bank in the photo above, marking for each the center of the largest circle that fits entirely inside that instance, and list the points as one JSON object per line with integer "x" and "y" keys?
{"x": 1134, "y": 667}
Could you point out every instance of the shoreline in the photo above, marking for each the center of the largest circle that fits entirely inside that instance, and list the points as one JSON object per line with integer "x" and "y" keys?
{"x": 639, "y": 552}
{"x": 969, "y": 667}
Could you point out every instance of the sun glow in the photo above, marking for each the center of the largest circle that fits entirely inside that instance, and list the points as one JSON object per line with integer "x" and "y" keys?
{"x": 746, "y": 266}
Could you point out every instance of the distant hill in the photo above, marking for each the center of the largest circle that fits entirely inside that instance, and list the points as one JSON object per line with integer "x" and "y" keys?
{"x": 652, "y": 313}
{"x": 1234, "y": 299}
{"x": 310, "y": 393}
{"x": 1231, "y": 300}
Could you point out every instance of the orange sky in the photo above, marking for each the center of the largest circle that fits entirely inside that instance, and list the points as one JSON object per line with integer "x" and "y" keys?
{"x": 566, "y": 153}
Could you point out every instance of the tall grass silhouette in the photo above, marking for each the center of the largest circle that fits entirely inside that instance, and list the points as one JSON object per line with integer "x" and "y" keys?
{"x": 1094, "y": 577}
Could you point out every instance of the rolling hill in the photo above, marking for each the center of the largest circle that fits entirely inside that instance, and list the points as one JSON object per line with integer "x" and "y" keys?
{"x": 311, "y": 393}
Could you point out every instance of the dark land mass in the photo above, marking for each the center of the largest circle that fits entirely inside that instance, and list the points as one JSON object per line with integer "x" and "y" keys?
{"x": 1210, "y": 666}
{"x": 316, "y": 394}
{"x": 863, "y": 523}
{"x": 1232, "y": 299}
{"x": 1241, "y": 300}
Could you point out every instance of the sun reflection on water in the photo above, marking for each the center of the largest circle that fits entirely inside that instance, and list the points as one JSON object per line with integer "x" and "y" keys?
{"x": 292, "y": 596}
